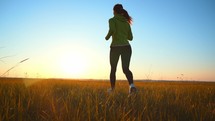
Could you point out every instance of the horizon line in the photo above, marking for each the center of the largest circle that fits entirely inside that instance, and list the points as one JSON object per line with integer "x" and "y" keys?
{"x": 90, "y": 79}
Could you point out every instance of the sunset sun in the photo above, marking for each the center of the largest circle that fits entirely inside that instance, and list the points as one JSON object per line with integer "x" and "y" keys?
{"x": 73, "y": 65}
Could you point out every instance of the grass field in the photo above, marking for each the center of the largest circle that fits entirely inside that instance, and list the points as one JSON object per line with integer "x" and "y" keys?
{"x": 75, "y": 100}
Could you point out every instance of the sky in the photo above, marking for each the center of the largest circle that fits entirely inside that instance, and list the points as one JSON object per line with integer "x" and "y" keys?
{"x": 173, "y": 39}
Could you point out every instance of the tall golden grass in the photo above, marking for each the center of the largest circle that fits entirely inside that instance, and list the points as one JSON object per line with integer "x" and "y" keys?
{"x": 75, "y": 100}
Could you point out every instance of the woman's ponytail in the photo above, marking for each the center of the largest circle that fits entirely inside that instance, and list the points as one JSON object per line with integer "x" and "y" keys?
{"x": 126, "y": 15}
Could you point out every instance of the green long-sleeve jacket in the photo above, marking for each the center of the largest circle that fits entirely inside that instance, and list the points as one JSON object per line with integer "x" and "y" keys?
{"x": 120, "y": 31}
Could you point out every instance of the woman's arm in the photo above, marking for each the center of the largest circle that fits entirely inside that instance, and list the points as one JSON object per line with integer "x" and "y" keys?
{"x": 112, "y": 29}
{"x": 130, "y": 35}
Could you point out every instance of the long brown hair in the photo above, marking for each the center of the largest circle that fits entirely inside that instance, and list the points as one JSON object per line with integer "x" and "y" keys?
{"x": 118, "y": 8}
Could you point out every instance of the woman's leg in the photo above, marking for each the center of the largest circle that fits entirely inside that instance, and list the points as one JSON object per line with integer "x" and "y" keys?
{"x": 126, "y": 57}
{"x": 114, "y": 57}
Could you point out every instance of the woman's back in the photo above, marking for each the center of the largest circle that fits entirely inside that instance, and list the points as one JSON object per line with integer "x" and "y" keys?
{"x": 121, "y": 30}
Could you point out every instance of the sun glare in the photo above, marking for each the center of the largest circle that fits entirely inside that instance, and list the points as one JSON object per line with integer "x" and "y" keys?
{"x": 73, "y": 65}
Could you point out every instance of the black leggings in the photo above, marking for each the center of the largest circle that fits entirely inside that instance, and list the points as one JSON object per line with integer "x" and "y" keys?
{"x": 125, "y": 53}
